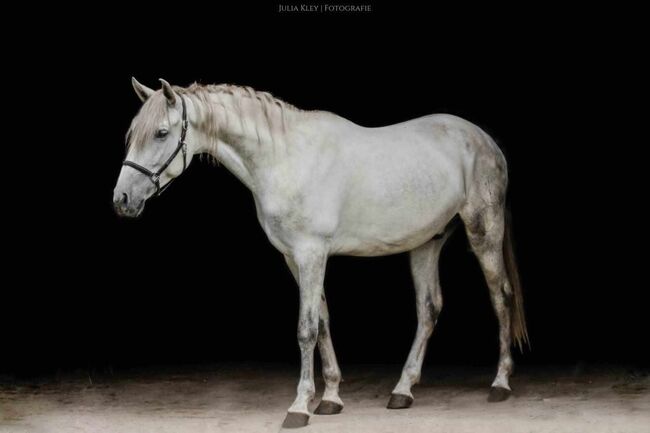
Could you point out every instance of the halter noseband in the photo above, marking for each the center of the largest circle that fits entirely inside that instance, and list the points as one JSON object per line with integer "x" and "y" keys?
{"x": 155, "y": 176}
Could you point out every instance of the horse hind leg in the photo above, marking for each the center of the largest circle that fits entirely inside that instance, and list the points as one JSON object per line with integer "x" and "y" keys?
{"x": 428, "y": 300}
{"x": 485, "y": 232}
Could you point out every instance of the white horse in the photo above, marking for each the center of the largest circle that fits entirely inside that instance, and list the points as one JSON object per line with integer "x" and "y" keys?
{"x": 322, "y": 186}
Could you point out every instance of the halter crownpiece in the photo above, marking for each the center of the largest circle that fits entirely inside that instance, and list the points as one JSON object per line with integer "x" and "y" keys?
{"x": 155, "y": 176}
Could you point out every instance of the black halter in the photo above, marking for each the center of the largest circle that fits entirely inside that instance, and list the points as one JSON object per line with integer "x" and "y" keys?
{"x": 155, "y": 176}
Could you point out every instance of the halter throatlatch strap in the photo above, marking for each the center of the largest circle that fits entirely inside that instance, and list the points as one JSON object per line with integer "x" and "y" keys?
{"x": 154, "y": 176}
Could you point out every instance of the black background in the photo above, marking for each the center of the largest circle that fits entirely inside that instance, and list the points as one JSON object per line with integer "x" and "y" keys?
{"x": 195, "y": 280}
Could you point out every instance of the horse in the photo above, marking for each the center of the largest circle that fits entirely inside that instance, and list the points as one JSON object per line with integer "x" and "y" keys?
{"x": 325, "y": 186}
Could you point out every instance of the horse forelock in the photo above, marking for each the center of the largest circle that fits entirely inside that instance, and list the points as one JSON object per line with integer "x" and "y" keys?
{"x": 144, "y": 124}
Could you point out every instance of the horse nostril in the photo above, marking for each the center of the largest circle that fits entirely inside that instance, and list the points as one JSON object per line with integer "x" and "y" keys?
{"x": 120, "y": 199}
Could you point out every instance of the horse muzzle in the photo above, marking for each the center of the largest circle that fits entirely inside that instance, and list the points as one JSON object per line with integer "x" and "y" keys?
{"x": 126, "y": 206}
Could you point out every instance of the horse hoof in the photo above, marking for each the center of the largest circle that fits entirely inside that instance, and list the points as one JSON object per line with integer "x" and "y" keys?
{"x": 295, "y": 420}
{"x": 399, "y": 401}
{"x": 326, "y": 407}
{"x": 498, "y": 394}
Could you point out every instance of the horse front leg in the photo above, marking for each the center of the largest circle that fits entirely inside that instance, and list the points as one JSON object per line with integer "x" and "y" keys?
{"x": 331, "y": 403}
{"x": 310, "y": 262}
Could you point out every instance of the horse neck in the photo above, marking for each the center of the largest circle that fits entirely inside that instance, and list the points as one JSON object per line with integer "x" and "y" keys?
{"x": 244, "y": 133}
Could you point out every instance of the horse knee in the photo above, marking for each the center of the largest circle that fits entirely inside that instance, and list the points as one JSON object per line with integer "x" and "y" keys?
{"x": 307, "y": 336}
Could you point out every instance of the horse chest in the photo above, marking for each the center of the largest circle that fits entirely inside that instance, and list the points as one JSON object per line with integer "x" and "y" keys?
{"x": 286, "y": 219}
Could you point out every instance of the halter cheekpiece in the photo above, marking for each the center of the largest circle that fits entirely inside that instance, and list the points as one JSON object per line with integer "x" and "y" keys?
{"x": 154, "y": 176}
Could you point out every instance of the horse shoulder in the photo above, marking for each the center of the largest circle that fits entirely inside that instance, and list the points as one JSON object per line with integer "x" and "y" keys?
{"x": 298, "y": 199}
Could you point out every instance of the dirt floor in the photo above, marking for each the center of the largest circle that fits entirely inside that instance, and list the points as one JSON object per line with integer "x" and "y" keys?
{"x": 230, "y": 398}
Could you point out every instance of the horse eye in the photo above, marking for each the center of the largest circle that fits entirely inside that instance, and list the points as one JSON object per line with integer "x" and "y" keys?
{"x": 161, "y": 133}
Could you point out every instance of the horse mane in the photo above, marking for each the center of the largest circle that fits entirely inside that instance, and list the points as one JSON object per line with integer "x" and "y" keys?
{"x": 206, "y": 99}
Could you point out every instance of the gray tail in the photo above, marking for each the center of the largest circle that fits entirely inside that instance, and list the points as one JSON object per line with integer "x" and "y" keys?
{"x": 518, "y": 320}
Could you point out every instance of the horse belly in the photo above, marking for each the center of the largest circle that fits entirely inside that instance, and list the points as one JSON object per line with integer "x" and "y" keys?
{"x": 398, "y": 205}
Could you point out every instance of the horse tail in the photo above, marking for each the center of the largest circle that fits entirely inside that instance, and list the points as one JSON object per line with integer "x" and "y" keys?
{"x": 518, "y": 319}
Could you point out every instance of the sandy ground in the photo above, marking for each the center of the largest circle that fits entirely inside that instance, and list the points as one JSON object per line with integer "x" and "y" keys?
{"x": 254, "y": 399}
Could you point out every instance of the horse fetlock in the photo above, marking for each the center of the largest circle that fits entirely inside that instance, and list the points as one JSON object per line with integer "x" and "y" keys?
{"x": 506, "y": 365}
{"x": 306, "y": 391}
{"x": 413, "y": 376}
{"x": 332, "y": 375}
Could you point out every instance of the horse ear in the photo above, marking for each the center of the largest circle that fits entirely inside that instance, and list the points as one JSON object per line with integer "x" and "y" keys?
{"x": 142, "y": 91}
{"x": 168, "y": 92}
